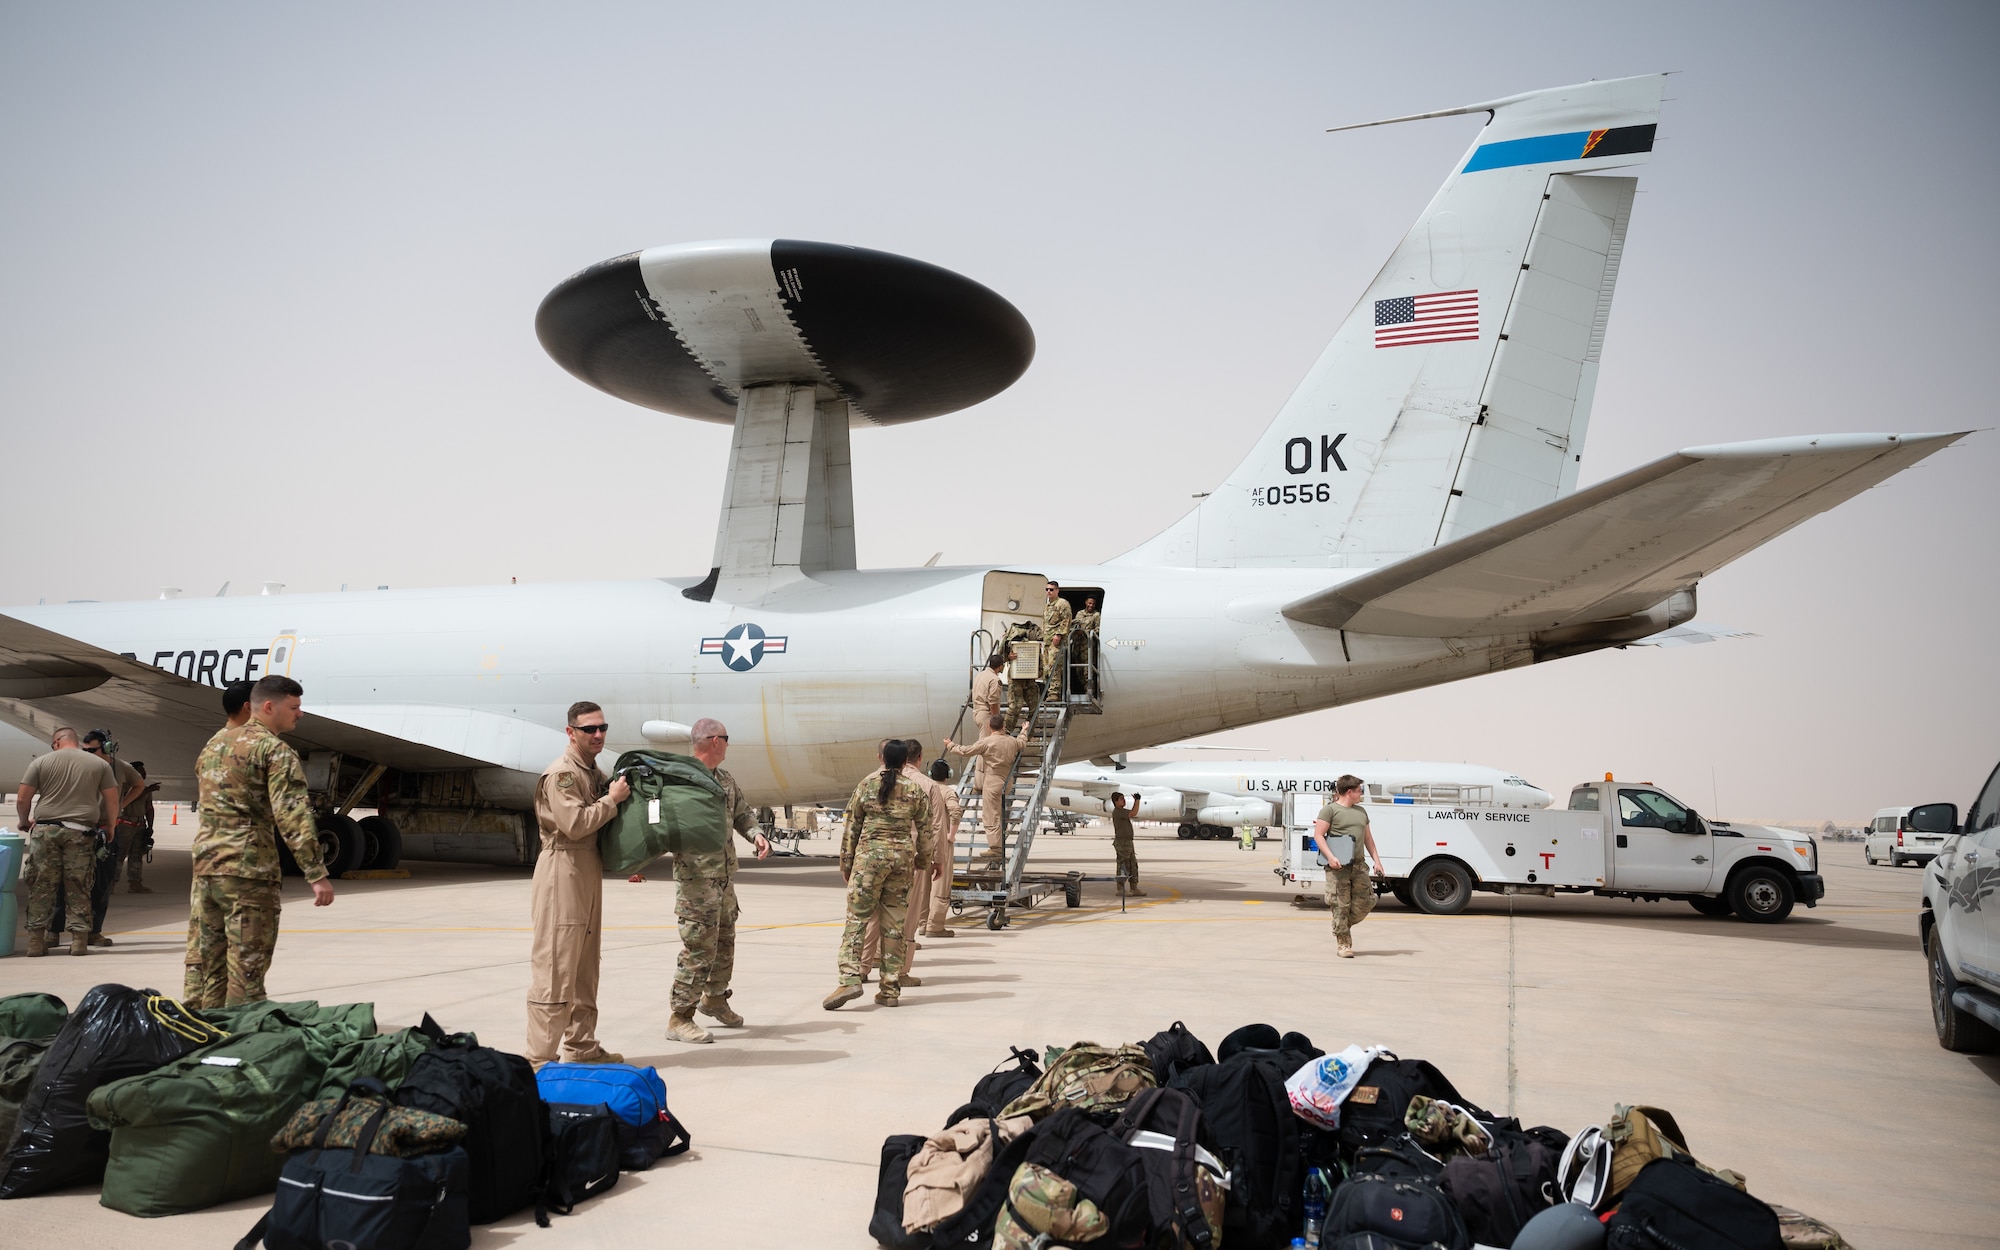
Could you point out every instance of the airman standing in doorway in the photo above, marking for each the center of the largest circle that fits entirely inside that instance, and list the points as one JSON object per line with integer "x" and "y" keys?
{"x": 1056, "y": 620}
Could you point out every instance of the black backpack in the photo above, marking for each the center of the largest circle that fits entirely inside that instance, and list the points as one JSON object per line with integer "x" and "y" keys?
{"x": 494, "y": 1095}
{"x": 1372, "y": 1212}
{"x": 1674, "y": 1205}
{"x": 1401, "y": 1157}
{"x": 335, "y": 1197}
{"x": 999, "y": 1087}
{"x": 1502, "y": 1190}
{"x": 886, "y": 1225}
{"x": 1104, "y": 1169}
{"x": 1374, "y": 1109}
{"x": 1173, "y": 1051}
{"x": 1266, "y": 1147}
{"x": 583, "y": 1153}
{"x": 1174, "y": 1183}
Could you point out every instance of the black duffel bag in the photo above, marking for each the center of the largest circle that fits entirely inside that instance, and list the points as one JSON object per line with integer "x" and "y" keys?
{"x": 331, "y": 1198}
{"x": 583, "y": 1152}
{"x": 1674, "y": 1205}
{"x": 495, "y": 1096}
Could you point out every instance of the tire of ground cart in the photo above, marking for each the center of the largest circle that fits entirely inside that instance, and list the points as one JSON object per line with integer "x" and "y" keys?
{"x": 1710, "y": 906}
{"x": 1761, "y": 894}
{"x": 994, "y": 920}
{"x": 1442, "y": 887}
{"x": 384, "y": 842}
{"x": 1073, "y": 891}
{"x": 1956, "y": 1030}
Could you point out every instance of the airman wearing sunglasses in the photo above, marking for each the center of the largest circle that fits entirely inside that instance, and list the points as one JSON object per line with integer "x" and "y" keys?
{"x": 572, "y": 803}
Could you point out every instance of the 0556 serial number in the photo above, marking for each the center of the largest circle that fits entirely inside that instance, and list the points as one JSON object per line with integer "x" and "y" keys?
{"x": 1302, "y": 492}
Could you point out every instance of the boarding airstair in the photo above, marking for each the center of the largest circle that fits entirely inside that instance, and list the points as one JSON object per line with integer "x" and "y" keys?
{"x": 995, "y": 883}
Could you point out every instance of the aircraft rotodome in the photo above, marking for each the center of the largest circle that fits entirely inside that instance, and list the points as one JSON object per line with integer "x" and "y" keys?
{"x": 1409, "y": 518}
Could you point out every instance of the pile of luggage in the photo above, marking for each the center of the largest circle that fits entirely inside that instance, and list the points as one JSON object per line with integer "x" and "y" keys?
{"x": 402, "y": 1139}
{"x": 1269, "y": 1142}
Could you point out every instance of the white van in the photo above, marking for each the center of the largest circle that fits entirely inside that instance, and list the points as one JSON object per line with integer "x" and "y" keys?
{"x": 1891, "y": 841}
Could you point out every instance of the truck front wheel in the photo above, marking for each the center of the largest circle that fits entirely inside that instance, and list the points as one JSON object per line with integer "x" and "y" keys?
{"x": 1956, "y": 1030}
{"x": 1762, "y": 895}
{"x": 1442, "y": 887}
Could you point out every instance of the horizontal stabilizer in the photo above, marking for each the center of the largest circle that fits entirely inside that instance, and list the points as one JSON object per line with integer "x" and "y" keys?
{"x": 1618, "y": 548}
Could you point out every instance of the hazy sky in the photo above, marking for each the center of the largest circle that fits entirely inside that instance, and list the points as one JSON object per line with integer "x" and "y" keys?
{"x": 271, "y": 273}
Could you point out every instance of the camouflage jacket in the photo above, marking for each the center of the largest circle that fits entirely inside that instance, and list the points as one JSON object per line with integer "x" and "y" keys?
{"x": 1055, "y": 619}
{"x": 404, "y": 1131}
{"x": 898, "y": 824}
{"x": 1088, "y": 622}
{"x": 253, "y": 789}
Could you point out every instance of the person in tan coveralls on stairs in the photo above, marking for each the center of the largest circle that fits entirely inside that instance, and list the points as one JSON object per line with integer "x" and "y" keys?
{"x": 571, "y": 804}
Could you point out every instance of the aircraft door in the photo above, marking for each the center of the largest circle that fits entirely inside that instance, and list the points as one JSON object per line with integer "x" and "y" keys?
{"x": 1658, "y": 844}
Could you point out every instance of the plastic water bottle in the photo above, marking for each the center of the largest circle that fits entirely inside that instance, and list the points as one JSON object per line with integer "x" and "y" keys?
{"x": 1317, "y": 1192}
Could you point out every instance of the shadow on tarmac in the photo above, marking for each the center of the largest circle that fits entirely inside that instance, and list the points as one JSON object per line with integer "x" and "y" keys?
{"x": 725, "y": 1056}
{"x": 1988, "y": 1065}
{"x": 1797, "y": 931}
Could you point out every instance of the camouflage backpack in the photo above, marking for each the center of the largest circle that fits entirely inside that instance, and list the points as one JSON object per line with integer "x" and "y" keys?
{"x": 1078, "y": 1183}
{"x": 1639, "y": 1135}
{"x": 1088, "y": 1077}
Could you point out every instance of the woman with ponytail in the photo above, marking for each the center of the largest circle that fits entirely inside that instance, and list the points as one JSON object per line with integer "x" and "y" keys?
{"x": 886, "y": 843}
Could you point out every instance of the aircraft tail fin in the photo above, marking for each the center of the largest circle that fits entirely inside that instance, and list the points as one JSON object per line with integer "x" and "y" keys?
{"x": 1457, "y": 392}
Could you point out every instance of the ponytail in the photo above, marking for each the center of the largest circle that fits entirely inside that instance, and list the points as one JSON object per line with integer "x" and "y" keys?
{"x": 894, "y": 756}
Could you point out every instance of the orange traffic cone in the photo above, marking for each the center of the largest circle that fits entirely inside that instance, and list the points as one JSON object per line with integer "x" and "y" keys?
{"x": 177, "y": 815}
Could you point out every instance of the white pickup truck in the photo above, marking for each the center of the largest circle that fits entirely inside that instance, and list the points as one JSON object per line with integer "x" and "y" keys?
{"x": 1618, "y": 839}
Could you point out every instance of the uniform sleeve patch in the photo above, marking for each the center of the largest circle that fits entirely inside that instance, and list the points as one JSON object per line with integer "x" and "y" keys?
{"x": 567, "y": 781}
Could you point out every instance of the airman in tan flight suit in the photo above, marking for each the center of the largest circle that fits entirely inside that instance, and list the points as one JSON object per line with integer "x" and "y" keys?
{"x": 934, "y": 925}
{"x": 995, "y": 752}
{"x": 989, "y": 689}
{"x": 571, "y": 804}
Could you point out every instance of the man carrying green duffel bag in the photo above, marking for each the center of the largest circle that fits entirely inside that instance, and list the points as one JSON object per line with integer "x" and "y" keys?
{"x": 197, "y": 1131}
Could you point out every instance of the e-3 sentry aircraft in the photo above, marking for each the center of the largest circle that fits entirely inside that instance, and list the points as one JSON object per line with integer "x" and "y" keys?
{"x": 1409, "y": 518}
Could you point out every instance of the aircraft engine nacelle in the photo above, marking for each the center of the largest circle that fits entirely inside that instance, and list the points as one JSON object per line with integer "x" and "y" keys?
{"x": 1061, "y": 800}
{"x": 1160, "y": 803}
{"x": 1237, "y": 813}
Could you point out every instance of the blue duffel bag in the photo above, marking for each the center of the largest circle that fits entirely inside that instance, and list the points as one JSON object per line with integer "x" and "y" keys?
{"x": 647, "y": 1131}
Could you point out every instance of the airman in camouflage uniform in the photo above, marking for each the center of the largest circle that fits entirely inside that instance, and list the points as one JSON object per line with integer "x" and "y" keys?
{"x": 253, "y": 791}
{"x": 72, "y": 796}
{"x": 705, "y": 903}
{"x": 885, "y": 844}
{"x": 1083, "y": 638}
{"x": 1056, "y": 622}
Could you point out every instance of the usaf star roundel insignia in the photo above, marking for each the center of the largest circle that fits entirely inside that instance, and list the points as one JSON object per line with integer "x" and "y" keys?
{"x": 742, "y": 647}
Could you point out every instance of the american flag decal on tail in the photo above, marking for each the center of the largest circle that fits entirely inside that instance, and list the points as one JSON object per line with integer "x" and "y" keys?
{"x": 1450, "y": 317}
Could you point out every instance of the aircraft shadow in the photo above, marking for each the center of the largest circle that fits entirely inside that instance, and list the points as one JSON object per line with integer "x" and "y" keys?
{"x": 920, "y": 997}
{"x": 1796, "y": 931}
{"x": 930, "y": 980}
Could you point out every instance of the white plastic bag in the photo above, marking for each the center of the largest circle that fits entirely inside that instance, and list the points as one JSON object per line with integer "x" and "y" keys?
{"x": 1317, "y": 1090}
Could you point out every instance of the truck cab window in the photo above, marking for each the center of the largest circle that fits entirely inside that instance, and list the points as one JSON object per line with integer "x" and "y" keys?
{"x": 1646, "y": 809}
{"x": 1985, "y": 813}
{"x": 1583, "y": 799}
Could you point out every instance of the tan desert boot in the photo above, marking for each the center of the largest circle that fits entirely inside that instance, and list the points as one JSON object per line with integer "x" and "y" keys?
{"x": 716, "y": 1008}
{"x": 684, "y": 1029}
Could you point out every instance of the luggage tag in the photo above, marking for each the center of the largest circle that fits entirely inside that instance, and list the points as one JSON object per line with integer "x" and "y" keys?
{"x": 652, "y": 811}
{"x": 223, "y": 1061}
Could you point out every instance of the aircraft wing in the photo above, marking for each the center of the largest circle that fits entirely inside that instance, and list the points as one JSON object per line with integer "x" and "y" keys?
{"x": 1620, "y": 547}
{"x": 49, "y": 679}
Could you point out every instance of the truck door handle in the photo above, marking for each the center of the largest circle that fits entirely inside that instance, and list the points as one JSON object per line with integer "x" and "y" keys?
{"x": 1701, "y": 859}
{"x": 1621, "y": 841}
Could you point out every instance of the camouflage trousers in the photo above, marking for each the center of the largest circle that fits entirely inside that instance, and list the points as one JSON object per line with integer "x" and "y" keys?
{"x": 1350, "y": 895}
{"x": 64, "y": 865}
{"x": 131, "y": 852}
{"x": 705, "y": 905}
{"x": 232, "y": 930}
{"x": 1023, "y": 693}
{"x": 1128, "y": 863}
{"x": 878, "y": 887}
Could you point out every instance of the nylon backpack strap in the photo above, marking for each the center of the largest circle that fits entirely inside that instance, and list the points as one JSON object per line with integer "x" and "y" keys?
{"x": 364, "y": 1141}
{"x": 256, "y": 1233}
{"x": 678, "y": 1137}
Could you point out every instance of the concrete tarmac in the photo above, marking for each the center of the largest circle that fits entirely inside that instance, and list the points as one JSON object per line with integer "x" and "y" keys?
{"x": 1800, "y": 1054}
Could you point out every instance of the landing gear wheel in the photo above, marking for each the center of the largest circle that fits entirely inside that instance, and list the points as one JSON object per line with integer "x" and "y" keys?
{"x": 1761, "y": 895}
{"x": 1442, "y": 887}
{"x": 1073, "y": 891}
{"x": 1956, "y": 1030}
{"x": 340, "y": 844}
{"x": 1185, "y": 831}
{"x": 1710, "y": 906}
{"x": 996, "y": 920}
{"x": 384, "y": 842}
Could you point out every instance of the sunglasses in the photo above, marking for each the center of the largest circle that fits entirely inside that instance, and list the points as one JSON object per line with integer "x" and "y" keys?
{"x": 716, "y": 738}
{"x": 591, "y": 729}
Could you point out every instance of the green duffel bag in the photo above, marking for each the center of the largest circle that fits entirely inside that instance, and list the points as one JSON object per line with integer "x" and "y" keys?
{"x": 20, "y": 1059}
{"x": 197, "y": 1132}
{"x": 32, "y": 1015}
{"x": 265, "y": 1016}
{"x": 677, "y": 806}
{"x": 386, "y": 1057}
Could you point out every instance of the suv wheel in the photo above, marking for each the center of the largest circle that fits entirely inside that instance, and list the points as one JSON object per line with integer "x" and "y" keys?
{"x": 1762, "y": 894}
{"x": 1956, "y": 1030}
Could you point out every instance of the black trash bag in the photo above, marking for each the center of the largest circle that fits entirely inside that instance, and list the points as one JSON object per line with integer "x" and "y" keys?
{"x": 112, "y": 1034}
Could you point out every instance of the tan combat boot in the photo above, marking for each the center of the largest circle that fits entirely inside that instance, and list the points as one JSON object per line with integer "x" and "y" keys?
{"x": 841, "y": 994}
{"x": 683, "y": 1029}
{"x": 908, "y": 979}
{"x": 98, "y": 939}
{"x": 38, "y": 943}
{"x": 940, "y": 933}
{"x": 1346, "y": 948}
{"x": 79, "y": 943}
{"x": 602, "y": 1056}
{"x": 716, "y": 1008}
{"x": 889, "y": 1000}
{"x": 138, "y": 888}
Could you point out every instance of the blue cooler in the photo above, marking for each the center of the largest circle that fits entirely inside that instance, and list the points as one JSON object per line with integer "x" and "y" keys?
{"x": 13, "y": 848}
